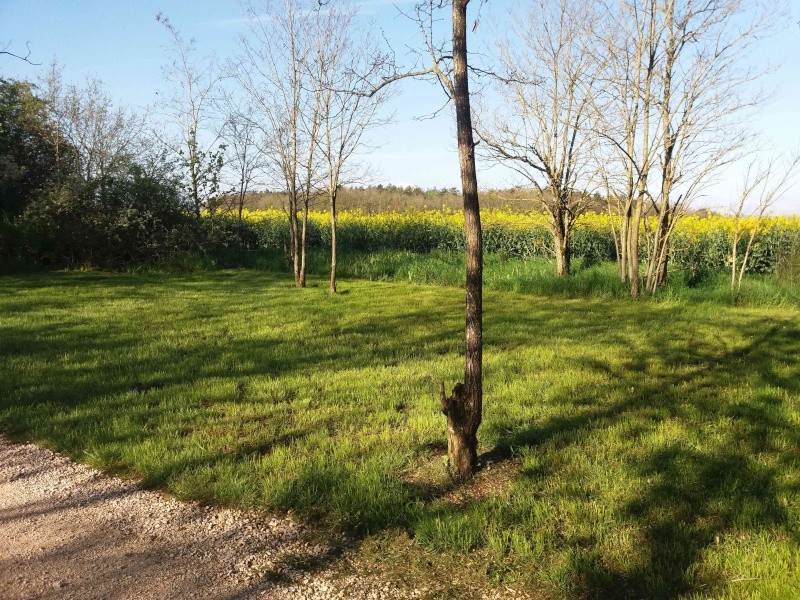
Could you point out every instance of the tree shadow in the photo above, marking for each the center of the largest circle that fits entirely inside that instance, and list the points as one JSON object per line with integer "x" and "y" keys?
{"x": 694, "y": 495}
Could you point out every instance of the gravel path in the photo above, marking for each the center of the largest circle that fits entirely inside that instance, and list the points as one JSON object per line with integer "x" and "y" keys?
{"x": 69, "y": 531}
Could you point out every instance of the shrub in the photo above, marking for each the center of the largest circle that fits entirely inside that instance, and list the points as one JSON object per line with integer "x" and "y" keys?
{"x": 108, "y": 224}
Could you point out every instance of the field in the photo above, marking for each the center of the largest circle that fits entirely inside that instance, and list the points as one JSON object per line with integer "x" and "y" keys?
{"x": 631, "y": 449}
{"x": 700, "y": 245}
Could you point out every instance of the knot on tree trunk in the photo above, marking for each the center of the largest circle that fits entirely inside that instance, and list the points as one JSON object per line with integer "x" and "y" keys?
{"x": 462, "y": 442}
{"x": 453, "y": 405}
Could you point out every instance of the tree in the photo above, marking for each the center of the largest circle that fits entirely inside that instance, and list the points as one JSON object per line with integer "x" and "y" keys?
{"x": 344, "y": 69}
{"x": 464, "y": 406}
{"x": 25, "y": 58}
{"x": 273, "y": 72}
{"x": 763, "y": 185}
{"x": 190, "y": 103}
{"x": 626, "y": 105}
{"x": 244, "y": 161}
{"x": 675, "y": 95}
{"x": 702, "y": 81}
{"x": 27, "y": 156}
{"x": 103, "y": 138}
{"x": 540, "y": 120}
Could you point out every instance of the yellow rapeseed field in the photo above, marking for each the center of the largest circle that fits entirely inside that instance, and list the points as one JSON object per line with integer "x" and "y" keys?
{"x": 691, "y": 225}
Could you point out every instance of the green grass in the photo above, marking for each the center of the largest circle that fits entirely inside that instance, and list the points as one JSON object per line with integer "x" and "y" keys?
{"x": 530, "y": 276}
{"x": 637, "y": 449}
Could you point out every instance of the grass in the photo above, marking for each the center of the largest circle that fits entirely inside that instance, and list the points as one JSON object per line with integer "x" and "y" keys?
{"x": 631, "y": 449}
{"x": 530, "y": 277}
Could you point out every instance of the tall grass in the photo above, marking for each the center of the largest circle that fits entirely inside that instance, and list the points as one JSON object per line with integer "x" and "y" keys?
{"x": 523, "y": 276}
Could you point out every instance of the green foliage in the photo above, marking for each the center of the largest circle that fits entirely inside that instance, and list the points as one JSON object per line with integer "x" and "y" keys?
{"x": 537, "y": 277}
{"x": 107, "y": 223}
{"x": 695, "y": 255}
{"x": 199, "y": 174}
{"x": 788, "y": 265}
{"x": 28, "y": 159}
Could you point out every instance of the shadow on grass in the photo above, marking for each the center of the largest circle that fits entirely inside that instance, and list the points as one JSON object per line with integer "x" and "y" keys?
{"x": 653, "y": 362}
{"x": 695, "y": 495}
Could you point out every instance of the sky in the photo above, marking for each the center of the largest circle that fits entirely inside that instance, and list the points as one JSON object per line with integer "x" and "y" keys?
{"x": 121, "y": 42}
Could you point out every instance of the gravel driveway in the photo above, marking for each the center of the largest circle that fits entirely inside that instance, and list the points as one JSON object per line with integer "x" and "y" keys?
{"x": 69, "y": 531}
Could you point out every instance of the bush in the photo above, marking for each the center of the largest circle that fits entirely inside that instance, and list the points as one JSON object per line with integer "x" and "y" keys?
{"x": 108, "y": 224}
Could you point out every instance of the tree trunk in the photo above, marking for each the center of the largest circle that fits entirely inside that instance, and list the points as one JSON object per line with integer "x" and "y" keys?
{"x": 661, "y": 276}
{"x": 659, "y": 258}
{"x": 618, "y": 240}
{"x": 301, "y": 280}
{"x": 462, "y": 440}
{"x": 663, "y": 258}
{"x": 633, "y": 247}
{"x": 734, "y": 256}
{"x": 668, "y": 141}
{"x": 295, "y": 237}
{"x": 624, "y": 234}
{"x": 464, "y": 407}
{"x": 561, "y": 241}
{"x": 194, "y": 178}
{"x": 333, "y": 242}
{"x": 240, "y": 207}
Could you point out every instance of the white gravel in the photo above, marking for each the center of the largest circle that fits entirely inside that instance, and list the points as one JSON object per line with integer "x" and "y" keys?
{"x": 69, "y": 531}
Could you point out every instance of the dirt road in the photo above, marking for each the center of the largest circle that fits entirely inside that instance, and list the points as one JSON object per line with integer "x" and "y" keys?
{"x": 68, "y": 531}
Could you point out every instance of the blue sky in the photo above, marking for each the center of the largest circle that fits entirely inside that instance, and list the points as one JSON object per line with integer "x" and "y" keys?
{"x": 121, "y": 42}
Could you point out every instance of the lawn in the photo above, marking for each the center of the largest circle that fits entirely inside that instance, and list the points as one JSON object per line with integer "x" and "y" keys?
{"x": 632, "y": 449}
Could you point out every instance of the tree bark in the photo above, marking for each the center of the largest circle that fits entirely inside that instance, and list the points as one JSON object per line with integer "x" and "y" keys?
{"x": 633, "y": 247}
{"x": 333, "y": 242}
{"x": 561, "y": 242}
{"x": 295, "y": 236}
{"x": 660, "y": 277}
{"x": 465, "y": 406}
{"x": 624, "y": 234}
{"x": 301, "y": 279}
{"x": 462, "y": 440}
{"x": 668, "y": 141}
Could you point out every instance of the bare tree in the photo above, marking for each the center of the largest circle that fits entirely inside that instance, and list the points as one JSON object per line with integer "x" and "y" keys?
{"x": 540, "y": 120}
{"x": 190, "y": 103}
{"x": 103, "y": 137}
{"x": 464, "y": 407}
{"x": 345, "y": 70}
{"x": 244, "y": 160}
{"x": 626, "y": 105}
{"x": 273, "y": 72}
{"x": 675, "y": 98}
{"x": 763, "y": 185}
{"x": 23, "y": 57}
{"x": 450, "y": 66}
{"x": 702, "y": 103}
